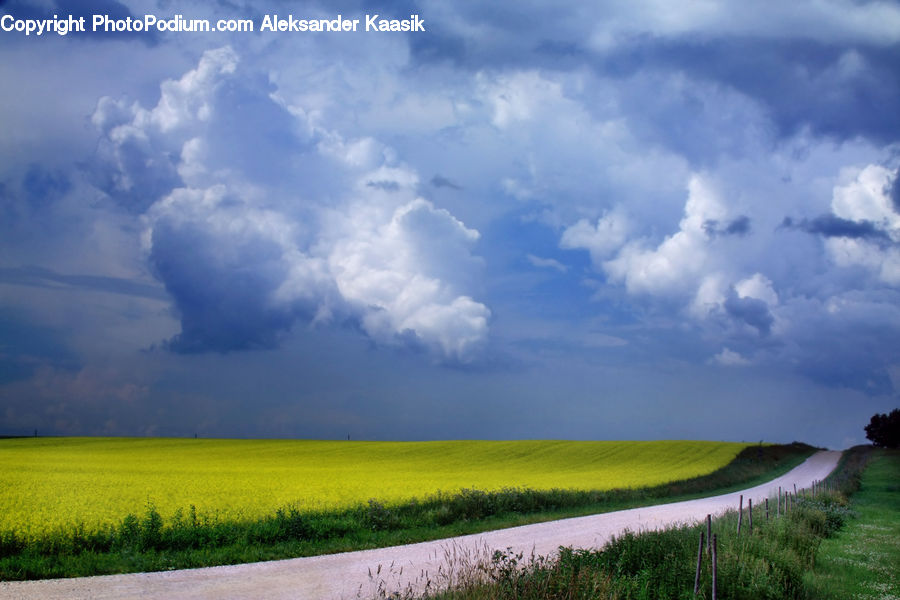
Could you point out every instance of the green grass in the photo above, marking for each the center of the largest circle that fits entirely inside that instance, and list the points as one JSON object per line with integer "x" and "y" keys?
{"x": 146, "y": 541}
{"x": 863, "y": 560}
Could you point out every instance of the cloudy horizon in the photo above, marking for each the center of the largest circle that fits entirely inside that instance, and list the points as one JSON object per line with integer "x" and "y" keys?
{"x": 527, "y": 221}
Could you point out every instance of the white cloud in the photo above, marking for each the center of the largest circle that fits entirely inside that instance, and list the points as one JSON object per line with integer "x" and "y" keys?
{"x": 730, "y": 358}
{"x": 142, "y": 148}
{"x": 367, "y": 249}
{"x": 710, "y": 296}
{"x": 759, "y": 287}
{"x": 601, "y": 239}
{"x": 408, "y": 274}
{"x": 865, "y": 198}
{"x": 681, "y": 260}
{"x": 188, "y": 100}
{"x": 546, "y": 263}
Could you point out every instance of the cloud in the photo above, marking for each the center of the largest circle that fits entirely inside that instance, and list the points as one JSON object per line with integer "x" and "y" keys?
{"x": 546, "y": 263}
{"x": 223, "y": 261}
{"x": 829, "y": 225}
{"x": 738, "y": 226}
{"x": 601, "y": 240}
{"x": 677, "y": 264}
{"x": 244, "y": 261}
{"x": 751, "y": 311}
{"x": 407, "y": 275}
{"x": 730, "y": 358}
{"x": 864, "y": 229}
{"x": 46, "y": 278}
{"x": 440, "y": 181}
{"x": 758, "y": 287}
{"x": 140, "y": 150}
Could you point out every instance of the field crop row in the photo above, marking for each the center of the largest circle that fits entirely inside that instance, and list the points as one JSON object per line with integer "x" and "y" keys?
{"x": 55, "y": 483}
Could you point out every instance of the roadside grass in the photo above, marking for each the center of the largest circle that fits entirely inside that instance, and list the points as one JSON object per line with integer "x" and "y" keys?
{"x": 863, "y": 560}
{"x": 192, "y": 538}
{"x": 770, "y": 562}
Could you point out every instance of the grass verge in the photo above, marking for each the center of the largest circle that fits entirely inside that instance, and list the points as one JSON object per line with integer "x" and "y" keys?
{"x": 147, "y": 543}
{"x": 863, "y": 560}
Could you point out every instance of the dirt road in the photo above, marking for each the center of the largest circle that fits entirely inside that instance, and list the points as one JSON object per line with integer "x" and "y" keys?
{"x": 348, "y": 575}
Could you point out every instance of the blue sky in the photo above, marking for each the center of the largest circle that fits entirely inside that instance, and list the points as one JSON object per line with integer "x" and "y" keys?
{"x": 533, "y": 220}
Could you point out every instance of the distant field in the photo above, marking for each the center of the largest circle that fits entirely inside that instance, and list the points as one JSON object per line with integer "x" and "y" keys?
{"x": 50, "y": 483}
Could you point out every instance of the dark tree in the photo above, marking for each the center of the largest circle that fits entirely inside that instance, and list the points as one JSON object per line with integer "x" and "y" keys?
{"x": 884, "y": 430}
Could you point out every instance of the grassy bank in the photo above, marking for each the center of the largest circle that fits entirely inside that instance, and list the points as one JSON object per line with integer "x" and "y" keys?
{"x": 191, "y": 538}
{"x": 863, "y": 560}
{"x": 771, "y": 562}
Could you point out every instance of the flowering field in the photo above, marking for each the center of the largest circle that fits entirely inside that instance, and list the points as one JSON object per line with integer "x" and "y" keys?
{"x": 51, "y": 483}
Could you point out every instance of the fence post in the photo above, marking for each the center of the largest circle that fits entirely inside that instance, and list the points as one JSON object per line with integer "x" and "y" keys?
{"x": 750, "y": 514}
{"x": 708, "y": 534}
{"x": 740, "y": 512}
{"x": 795, "y": 489}
{"x": 715, "y": 568}
{"x": 699, "y": 563}
{"x": 767, "y": 510}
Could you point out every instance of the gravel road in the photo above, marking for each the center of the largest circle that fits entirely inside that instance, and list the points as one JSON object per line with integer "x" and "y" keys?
{"x": 358, "y": 574}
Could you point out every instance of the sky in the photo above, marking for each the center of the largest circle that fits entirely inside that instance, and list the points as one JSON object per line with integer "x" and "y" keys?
{"x": 567, "y": 220}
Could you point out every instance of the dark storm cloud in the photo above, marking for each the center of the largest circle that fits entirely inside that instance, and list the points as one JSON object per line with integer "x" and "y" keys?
{"x": 220, "y": 287}
{"x": 751, "y": 311}
{"x": 739, "y": 226}
{"x": 835, "y": 89}
{"x": 839, "y": 86}
{"x": 387, "y": 186}
{"x": 829, "y": 225}
{"x": 439, "y": 181}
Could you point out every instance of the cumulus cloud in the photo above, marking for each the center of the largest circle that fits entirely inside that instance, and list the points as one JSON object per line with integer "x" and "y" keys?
{"x": 677, "y": 264}
{"x": 601, "y": 240}
{"x": 244, "y": 261}
{"x": 140, "y": 149}
{"x": 863, "y": 228}
{"x": 407, "y": 275}
{"x": 757, "y": 287}
{"x": 226, "y": 263}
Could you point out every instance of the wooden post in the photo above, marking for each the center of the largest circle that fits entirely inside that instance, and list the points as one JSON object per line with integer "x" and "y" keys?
{"x": 767, "y": 510}
{"x": 708, "y": 534}
{"x": 699, "y": 563}
{"x": 795, "y": 489}
{"x": 750, "y": 514}
{"x": 715, "y": 569}
{"x": 740, "y": 513}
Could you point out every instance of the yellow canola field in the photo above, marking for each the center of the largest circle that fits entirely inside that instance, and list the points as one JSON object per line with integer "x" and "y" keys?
{"x": 50, "y": 483}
